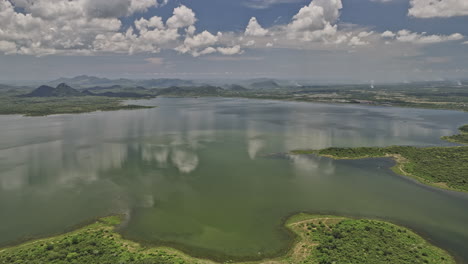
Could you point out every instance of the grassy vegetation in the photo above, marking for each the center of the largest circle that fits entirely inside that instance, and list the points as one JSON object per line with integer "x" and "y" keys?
{"x": 37, "y": 106}
{"x": 331, "y": 239}
{"x": 464, "y": 129}
{"x": 320, "y": 239}
{"x": 96, "y": 243}
{"x": 445, "y": 167}
{"x": 461, "y": 138}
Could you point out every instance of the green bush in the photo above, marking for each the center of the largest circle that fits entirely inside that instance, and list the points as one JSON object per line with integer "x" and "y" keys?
{"x": 369, "y": 241}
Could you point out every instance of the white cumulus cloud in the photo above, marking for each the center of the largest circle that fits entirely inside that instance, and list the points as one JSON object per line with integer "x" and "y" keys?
{"x": 52, "y": 27}
{"x": 438, "y": 8}
{"x": 357, "y": 41}
{"x": 94, "y": 26}
{"x": 86, "y": 27}
{"x": 182, "y": 17}
{"x": 420, "y": 38}
{"x": 197, "y": 44}
{"x": 388, "y": 34}
{"x": 315, "y": 21}
{"x": 254, "y": 29}
{"x": 7, "y": 47}
{"x": 230, "y": 50}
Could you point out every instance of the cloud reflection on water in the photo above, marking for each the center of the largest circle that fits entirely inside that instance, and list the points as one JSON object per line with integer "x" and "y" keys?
{"x": 117, "y": 161}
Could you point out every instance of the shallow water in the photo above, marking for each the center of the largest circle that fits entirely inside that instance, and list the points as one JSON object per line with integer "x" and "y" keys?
{"x": 193, "y": 172}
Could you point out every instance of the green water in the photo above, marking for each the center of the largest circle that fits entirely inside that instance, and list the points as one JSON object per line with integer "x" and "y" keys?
{"x": 193, "y": 173}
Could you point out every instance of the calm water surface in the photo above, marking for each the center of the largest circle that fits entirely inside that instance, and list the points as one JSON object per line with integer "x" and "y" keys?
{"x": 192, "y": 173}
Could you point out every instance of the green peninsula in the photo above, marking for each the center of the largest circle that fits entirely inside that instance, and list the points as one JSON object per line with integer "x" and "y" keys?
{"x": 319, "y": 240}
{"x": 443, "y": 167}
{"x": 461, "y": 138}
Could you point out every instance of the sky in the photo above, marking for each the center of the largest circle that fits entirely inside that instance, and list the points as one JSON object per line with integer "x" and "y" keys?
{"x": 355, "y": 41}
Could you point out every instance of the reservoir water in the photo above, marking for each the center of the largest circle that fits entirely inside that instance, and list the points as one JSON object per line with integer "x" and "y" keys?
{"x": 193, "y": 173}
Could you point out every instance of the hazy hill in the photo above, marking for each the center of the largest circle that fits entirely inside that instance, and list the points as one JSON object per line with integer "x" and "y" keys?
{"x": 85, "y": 81}
{"x": 191, "y": 91}
{"x": 165, "y": 83}
{"x": 62, "y": 90}
{"x": 14, "y": 89}
{"x": 237, "y": 88}
{"x": 98, "y": 88}
{"x": 6, "y": 87}
{"x": 117, "y": 94}
{"x": 267, "y": 84}
{"x": 82, "y": 81}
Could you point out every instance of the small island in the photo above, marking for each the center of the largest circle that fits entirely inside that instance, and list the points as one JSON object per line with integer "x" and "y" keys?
{"x": 319, "y": 239}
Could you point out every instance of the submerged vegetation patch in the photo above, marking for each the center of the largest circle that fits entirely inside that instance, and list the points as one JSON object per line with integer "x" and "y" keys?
{"x": 320, "y": 239}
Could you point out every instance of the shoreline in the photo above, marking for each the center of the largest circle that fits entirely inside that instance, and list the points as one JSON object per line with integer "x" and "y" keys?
{"x": 397, "y": 168}
{"x": 460, "y": 138}
{"x": 47, "y": 106}
{"x": 295, "y": 100}
{"x": 137, "y": 107}
{"x": 303, "y": 247}
{"x": 401, "y": 162}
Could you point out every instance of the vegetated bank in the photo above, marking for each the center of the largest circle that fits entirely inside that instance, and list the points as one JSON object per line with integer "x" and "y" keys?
{"x": 437, "y": 95}
{"x": 63, "y": 99}
{"x": 461, "y": 138}
{"x": 319, "y": 239}
{"x": 443, "y": 167}
{"x": 52, "y": 106}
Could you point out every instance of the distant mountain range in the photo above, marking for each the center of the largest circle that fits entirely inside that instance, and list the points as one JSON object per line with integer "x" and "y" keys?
{"x": 94, "y": 83}
{"x": 237, "y": 88}
{"x": 195, "y": 91}
{"x": 64, "y": 90}
{"x": 266, "y": 84}
{"x": 85, "y": 81}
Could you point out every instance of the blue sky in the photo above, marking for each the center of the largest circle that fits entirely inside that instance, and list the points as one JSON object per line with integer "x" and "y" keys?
{"x": 319, "y": 40}
{"x": 227, "y": 15}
